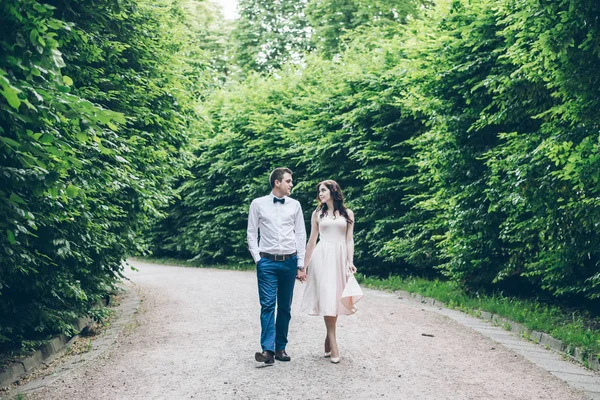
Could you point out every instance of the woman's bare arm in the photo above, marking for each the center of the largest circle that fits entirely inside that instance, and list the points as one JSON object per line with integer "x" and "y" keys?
{"x": 350, "y": 243}
{"x": 312, "y": 240}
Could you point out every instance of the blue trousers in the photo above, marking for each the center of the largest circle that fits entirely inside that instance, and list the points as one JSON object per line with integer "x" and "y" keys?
{"x": 275, "y": 285}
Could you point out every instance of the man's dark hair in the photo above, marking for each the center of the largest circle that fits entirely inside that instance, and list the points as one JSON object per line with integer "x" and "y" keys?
{"x": 277, "y": 175}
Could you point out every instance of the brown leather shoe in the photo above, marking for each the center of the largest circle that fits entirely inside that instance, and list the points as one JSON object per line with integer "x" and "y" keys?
{"x": 266, "y": 357}
{"x": 281, "y": 355}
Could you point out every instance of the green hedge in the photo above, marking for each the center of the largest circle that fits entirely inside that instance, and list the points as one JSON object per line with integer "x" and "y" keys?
{"x": 466, "y": 142}
{"x": 94, "y": 124}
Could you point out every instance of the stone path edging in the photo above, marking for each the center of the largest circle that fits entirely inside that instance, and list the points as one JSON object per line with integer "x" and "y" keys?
{"x": 57, "y": 346}
{"x": 45, "y": 354}
{"x": 536, "y": 350}
{"x": 576, "y": 354}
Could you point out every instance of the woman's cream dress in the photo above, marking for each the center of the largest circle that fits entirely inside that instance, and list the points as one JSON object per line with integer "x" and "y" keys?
{"x": 330, "y": 288}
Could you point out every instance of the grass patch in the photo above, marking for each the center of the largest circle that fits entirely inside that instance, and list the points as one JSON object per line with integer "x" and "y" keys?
{"x": 574, "y": 328}
{"x": 193, "y": 263}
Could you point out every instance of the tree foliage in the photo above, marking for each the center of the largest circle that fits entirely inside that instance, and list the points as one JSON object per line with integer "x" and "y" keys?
{"x": 268, "y": 34}
{"x": 336, "y": 21}
{"x": 504, "y": 85}
{"x": 95, "y": 116}
{"x": 465, "y": 138}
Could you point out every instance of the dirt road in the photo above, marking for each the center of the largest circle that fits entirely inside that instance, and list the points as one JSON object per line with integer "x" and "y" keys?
{"x": 199, "y": 328}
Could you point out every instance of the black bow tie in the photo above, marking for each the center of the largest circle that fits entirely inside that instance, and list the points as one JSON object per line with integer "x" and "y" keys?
{"x": 276, "y": 200}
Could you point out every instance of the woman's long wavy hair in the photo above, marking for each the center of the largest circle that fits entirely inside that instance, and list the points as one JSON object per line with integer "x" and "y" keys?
{"x": 338, "y": 200}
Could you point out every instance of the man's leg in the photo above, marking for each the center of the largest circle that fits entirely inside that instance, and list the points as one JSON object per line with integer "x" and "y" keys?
{"x": 285, "y": 291}
{"x": 267, "y": 290}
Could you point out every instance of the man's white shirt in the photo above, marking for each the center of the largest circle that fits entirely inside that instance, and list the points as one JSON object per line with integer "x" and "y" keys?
{"x": 281, "y": 228}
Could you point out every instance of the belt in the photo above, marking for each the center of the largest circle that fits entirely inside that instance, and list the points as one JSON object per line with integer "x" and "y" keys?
{"x": 277, "y": 257}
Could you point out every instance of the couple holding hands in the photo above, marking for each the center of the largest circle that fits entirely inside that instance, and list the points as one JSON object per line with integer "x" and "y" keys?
{"x": 276, "y": 239}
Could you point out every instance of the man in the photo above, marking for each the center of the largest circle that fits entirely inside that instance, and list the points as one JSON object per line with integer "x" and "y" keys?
{"x": 279, "y": 258}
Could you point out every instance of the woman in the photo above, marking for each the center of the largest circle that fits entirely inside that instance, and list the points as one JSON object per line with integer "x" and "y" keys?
{"x": 331, "y": 288}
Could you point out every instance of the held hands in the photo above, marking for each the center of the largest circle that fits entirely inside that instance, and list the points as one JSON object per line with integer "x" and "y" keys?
{"x": 301, "y": 275}
{"x": 351, "y": 268}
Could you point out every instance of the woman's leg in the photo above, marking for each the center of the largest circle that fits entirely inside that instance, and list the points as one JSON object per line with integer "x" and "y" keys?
{"x": 330, "y": 324}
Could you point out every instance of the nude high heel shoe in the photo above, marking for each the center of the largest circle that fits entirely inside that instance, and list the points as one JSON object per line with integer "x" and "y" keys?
{"x": 335, "y": 360}
{"x": 327, "y": 354}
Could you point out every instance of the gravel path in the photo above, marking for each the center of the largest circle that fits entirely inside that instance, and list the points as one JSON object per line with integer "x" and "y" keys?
{"x": 199, "y": 328}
